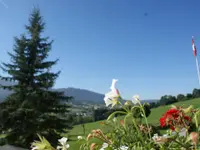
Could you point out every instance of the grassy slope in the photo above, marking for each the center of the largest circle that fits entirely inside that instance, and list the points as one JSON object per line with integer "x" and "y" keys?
{"x": 78, "y": 130}
{"x": 156, "y": 113}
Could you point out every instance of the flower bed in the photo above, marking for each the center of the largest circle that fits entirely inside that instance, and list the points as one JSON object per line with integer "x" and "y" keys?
{"x": 134, "y": 131}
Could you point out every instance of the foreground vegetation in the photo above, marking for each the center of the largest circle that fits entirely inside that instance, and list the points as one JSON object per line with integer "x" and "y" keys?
{"x": 153, "y": 119}
{"x": 135, "y": 131}
{"x": 156, "y": 113}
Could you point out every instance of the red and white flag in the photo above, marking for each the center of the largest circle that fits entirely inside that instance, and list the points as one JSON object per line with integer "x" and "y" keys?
{"x": 194, "y": 47}
{"x": 195, "y": 55}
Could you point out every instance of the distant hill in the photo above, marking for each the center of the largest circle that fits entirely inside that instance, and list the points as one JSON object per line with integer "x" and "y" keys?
{"x": 4, "y": 93}
{"x": 80, "y": 95}
{"x": 83, "y": 96}
{"x": 86, "y": 96}
{"x": 151, "y": 101}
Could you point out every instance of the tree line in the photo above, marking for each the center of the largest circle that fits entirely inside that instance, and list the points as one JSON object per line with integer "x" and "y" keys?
{"x": 169, "y": 99}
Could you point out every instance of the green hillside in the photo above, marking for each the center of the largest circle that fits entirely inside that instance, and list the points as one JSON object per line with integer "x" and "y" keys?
{"x": 156, "y": 113}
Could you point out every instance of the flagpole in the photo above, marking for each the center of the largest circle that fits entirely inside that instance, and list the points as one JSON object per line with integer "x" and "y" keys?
{"x": 197, "y": 64}
{"x": 195, "y": 55}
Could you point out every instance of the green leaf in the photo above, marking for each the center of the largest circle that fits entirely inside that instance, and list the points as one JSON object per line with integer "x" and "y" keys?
{"x": 196, "y": 118}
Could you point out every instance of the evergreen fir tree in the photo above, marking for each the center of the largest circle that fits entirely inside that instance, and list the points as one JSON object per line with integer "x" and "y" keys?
{"x": 33, "y": 107}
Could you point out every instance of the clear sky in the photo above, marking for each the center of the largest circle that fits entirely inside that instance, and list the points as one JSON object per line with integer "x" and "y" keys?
{"x": 146, "y": 44}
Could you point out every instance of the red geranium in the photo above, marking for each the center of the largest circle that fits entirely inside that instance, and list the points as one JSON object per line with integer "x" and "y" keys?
{"x": 174, "y": 118}
{"x": 187, "y": 118}
{"x": 162, "y": 121}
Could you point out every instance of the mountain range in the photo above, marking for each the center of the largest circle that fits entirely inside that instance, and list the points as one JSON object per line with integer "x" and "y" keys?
{"x": 80, "y": 96}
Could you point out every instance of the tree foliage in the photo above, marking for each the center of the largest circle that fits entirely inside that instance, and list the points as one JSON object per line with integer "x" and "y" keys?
{"x": 189, "y": 96}
{"x": 167, "y": 99}
{"x": 181, "y": 97}
{"x": 196, "y": 93}
{"x": 32, "y": 107}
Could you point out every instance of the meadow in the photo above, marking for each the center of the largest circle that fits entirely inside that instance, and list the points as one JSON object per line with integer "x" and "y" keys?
{"x": 153, "y": 119}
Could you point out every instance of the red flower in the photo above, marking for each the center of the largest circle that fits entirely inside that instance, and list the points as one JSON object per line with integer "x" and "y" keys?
{"x": 173, "y": 118}
{"x": 172, "y": 128}
{"x": 187, "y": 118}
{"x": 172, "y": 111}
{"x": 170, "y": 122}
{"x": 168, "y": 116}
{"x": 162, "y": 121}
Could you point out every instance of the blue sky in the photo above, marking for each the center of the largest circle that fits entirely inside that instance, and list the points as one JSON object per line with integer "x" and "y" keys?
{"x": 146, "y": 44}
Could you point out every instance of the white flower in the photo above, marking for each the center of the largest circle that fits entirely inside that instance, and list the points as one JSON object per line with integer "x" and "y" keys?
{"x": 136, "y": 99}
{"x": 59, "y": 147}
{"x": 111, "y": 98}
{"x": 67, "y": 145}
{"x": 183, "y": 132}
{"x": 123, "y": 148}
{"x": 63, "y": 141}
{"x": 80, "y": 137}
{"x": 63, "y": 147}
{"x": 160, "y": 139}
{"x": 112, "y": 87}
{"x": 114, "y": 119}
{"x": 105, "y": 145}
{"x": 155, "y": 136}
{"x": 35, "y": 148}
{"x": 165, "y": 135}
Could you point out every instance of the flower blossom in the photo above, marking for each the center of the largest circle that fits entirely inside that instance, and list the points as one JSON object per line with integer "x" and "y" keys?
{"x": 35, "y": 148}
{"x": 111, "y": 98}
{"x": 114, "y": 119}
{"x": 194, "y": 136}
{"x": 160, "y": 139}
{"x": 123, "y": 148}
{"x": 174, "y": 118}
{"x": 183, "y": 132}
{"x": 63, "y": 142}
{"x": 79, "y": 137}
{"x": 136, "y": 99}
